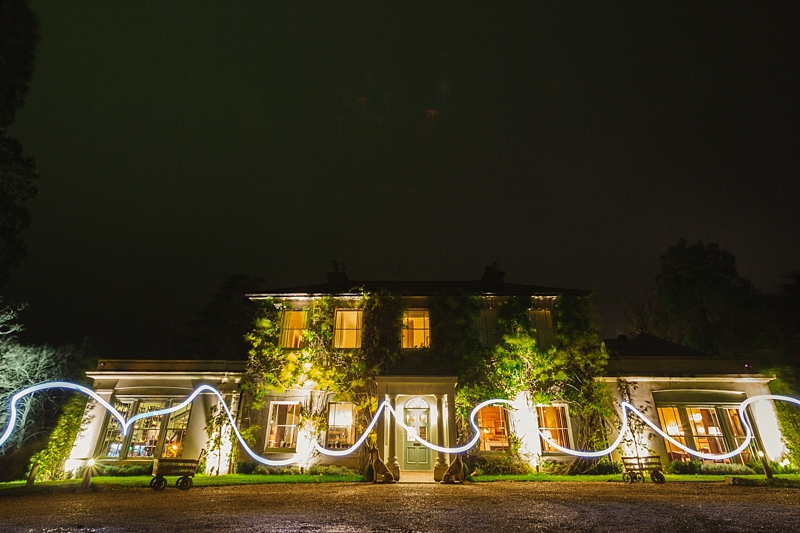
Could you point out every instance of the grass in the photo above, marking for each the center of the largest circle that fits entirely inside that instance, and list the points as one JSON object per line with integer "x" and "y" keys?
{"x": 111, "y": 483}
{"x": 783, "y": 479}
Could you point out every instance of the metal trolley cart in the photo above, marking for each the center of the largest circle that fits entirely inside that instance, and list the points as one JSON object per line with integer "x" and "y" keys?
{"x": 185, "y": 468}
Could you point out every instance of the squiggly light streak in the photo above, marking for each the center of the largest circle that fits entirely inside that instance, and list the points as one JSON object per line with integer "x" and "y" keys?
{"x": 386, "y": 406}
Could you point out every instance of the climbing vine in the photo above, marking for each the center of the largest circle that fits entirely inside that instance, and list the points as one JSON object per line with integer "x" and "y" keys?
{"x": 563, "y": 370}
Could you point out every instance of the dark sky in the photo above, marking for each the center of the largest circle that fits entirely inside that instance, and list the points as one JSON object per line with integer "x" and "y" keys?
{"x": 182, "y": 142}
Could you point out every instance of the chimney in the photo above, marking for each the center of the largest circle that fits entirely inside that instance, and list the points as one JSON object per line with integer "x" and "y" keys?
{"x": 338, "y": 274}
{"x": 493, "y": 275}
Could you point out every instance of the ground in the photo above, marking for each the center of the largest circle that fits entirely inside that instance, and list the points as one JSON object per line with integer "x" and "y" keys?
{"x": 364, "y": 507}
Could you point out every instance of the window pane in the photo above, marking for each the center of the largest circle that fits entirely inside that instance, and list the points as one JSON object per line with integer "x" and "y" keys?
{"x": 488, "y": 327}
{"x": 347, "y": 328}
{"x": 340, "y": 425}
{"x": 738, "y": 434}
{"x": 553, "y": 423}
{"x": 145, "y": 433}
{"x": 416, "y": 327}
{"x": 176, "y": 432}
{"x": 283, "y": 425}
{"x": 493, "y": 428}
{"x": 114, "y": 439}
{"x": 706, "y": 430}
{"x": 292, "y": 329}
{"x": 672, "y": 425}
{"x": 541, "y": 321}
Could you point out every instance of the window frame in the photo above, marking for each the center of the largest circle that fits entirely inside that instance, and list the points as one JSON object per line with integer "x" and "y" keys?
{"x": 409, "y": 336}
{"x": 295, "y": 426}
{"x": 291, "y": 333}
{"x": 350, "y": 433}
{"x": 126, "y": 444}
{"x": 565, "y": 431}
{"x": 502, "y": 432}
{"x": 340, "y": 332}
{"x": 727, "y": 438}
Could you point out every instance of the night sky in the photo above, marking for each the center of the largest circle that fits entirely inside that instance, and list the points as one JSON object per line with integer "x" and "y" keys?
{"x": 182, "y": 142}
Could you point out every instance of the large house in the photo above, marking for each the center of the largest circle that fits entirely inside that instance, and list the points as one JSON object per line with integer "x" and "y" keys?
{"x": 408, "y": 353}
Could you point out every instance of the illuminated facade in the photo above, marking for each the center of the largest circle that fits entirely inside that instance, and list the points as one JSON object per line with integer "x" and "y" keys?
{"x": 691, "y": 397}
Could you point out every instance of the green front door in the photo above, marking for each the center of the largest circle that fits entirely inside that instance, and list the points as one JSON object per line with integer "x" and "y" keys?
{"x": 416, "y": 415}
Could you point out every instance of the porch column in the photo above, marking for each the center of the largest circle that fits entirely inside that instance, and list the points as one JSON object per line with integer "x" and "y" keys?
{"x": 392, "y": 463}
{"x": 441, "y": 463}
{"x": 450, "y": 404}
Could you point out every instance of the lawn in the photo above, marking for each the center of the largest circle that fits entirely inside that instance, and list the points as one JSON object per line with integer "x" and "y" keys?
{"x": 120, "y": 482}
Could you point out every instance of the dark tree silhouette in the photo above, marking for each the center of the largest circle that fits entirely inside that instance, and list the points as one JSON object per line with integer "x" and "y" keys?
{"x": 18, "y": 36}
{"x": 219, "y": 331}
{"x": 702, "y": 302}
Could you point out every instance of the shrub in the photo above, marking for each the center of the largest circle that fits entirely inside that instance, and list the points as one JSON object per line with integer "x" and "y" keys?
{"x": 680, "y": 467}
{"x": 605, "y": 466}
{"x": 331, "y": 470}
{"x": 245, "y": 467}
{"x": 120, "y": 470}
{"x": 715, "y": 469}
{"x": 725, "y": 469}
{"x": 501, "y": 464}
{"x": 276, "y": 470}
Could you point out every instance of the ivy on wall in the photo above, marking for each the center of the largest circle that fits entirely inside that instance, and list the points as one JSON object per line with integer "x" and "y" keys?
{"x": 564, "y": 373}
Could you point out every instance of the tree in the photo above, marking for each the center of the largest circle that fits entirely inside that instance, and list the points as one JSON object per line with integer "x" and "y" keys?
{"x": 219, "y": 332}
{"x": 24, "y": 365}
{"x": 702, "y": 302}
{"x": 18, "y": 36}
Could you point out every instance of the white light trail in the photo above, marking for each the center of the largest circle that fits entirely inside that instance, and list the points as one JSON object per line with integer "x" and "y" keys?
{"x": 386, "y": 406}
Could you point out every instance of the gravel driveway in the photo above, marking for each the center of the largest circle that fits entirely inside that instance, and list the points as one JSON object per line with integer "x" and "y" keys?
{"x": 359, "y": 507}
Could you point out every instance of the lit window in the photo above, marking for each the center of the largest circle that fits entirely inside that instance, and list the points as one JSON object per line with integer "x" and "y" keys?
{"x": 553, "y": 424}
{"x": 738, "y": 434}
{"x": 541, "y": 321}
{"x": 146, "y": 431}
{"x": 283, "y": 420}
{"x": 347, "y": 333}
{"x": 416, "y": 329}
{"x": 493, "y": 428}
{"x": 176, "y": 432}
{"x": 152, "y": 436}
{"x": 708, "y": 429}
{"x": 340, "y": 425}
{"x": 294, "y": 322}
{"x": 114, "y": 440}
{"x": 671, "y": 423}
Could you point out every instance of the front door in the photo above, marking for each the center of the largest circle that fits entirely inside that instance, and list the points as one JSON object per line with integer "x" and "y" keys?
{"x": 416, "y": 415}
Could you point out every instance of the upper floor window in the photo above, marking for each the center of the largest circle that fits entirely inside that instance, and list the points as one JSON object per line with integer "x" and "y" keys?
{"x": 553, "y": 424}
{"x": 488, "y": 327}
{"x": 347, "y": 330}
{"x": 416, "y": 329}
{"x": 292, "y": 326}
{"x": 283, "y": 420}
{"x": 541, "y": 321}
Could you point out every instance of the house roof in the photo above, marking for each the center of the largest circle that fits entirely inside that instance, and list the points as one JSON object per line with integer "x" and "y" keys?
{"x": 491, "y": 284}
{"x": 646, "y": 345}
{"x": 647, "y": 355}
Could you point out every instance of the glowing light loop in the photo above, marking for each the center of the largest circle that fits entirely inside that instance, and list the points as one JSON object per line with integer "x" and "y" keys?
{"x": 386, "y": 406}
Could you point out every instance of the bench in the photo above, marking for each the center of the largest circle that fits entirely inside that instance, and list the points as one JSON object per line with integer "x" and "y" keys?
{"x": 637, "y": 467}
